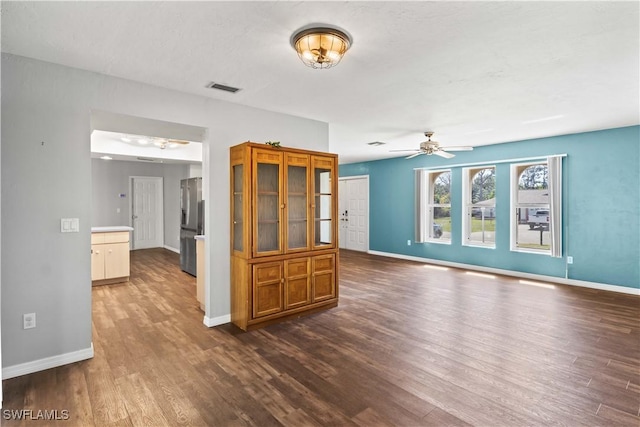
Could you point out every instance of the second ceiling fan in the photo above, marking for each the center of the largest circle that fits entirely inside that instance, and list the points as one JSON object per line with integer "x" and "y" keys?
{"x": 430, "y": 147}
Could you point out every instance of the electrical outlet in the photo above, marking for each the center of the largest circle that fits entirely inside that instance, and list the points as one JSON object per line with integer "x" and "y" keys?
{"x": 408, "y": 242}
{"x": 28, "y": 320}
{"x": 569, "y": 260}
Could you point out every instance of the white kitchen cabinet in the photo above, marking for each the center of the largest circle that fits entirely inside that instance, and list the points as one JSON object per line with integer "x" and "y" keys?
{"x": 110, "y": 261}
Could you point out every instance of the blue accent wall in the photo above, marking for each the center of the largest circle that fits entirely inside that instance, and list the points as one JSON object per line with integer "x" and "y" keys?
{"x": 601, "y": 206}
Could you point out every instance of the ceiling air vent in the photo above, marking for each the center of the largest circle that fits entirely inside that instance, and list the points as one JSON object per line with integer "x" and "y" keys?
{"x": 225, "y": 88}
{"x": 146, "y": 159}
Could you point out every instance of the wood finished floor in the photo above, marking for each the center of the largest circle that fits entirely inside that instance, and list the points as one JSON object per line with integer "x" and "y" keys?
{"x": 408, "y": 345}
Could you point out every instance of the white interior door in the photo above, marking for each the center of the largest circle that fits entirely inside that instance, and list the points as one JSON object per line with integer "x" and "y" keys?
{"x": 354, "y": 213}
{"x": 147, "y": 212}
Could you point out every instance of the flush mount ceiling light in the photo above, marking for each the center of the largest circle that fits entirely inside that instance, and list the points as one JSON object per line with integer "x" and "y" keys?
{"x": 320, "y": 47}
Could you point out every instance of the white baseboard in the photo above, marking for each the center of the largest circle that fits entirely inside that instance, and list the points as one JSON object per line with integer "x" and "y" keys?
{"x": 169, "y": 248}
{"x": 46, "y": 363}
{"x": 540, "y": 277}
{"x": 215, "y": 321}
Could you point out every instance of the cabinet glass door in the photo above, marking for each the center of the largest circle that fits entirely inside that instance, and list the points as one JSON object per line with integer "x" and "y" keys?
{"x": 297, "y": 202}
{"x": 322, "y": 206}
{"x": 237, "y": 208}
{"x": 268, "y": 206}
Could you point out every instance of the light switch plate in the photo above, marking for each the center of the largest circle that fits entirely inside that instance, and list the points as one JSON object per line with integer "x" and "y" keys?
{"x": 69, "y": 225}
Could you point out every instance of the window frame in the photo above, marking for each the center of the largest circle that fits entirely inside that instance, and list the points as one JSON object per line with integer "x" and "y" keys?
{"x": 468, "y": 174}
{"x": 429, "y": 205}
{"x": 515, "y": 184}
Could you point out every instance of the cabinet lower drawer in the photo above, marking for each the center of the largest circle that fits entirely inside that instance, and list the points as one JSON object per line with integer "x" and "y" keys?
{"x": 110, "y": 237}
{"x": 324, "y": 277}
{"x": 267, "y": 289}
{"x": 297, "y": 283}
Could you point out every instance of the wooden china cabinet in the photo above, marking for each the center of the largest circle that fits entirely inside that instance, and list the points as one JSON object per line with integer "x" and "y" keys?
{"x": 284, "y": 261}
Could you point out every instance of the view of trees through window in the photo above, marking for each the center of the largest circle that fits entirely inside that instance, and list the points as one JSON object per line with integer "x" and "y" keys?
{"x": 481, "y": 206}
{"x": 532, "y": 208}
{"x": 483, "y": 185}
{"x": 534, "y": 177}
{"x": 441, "y": 205}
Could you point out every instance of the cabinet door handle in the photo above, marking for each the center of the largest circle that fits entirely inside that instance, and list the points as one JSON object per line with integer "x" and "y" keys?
{"x": 282, "y": 280}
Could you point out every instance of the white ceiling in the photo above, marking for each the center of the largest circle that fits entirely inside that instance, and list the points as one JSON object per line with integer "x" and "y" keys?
{"x": 475, "y": 72}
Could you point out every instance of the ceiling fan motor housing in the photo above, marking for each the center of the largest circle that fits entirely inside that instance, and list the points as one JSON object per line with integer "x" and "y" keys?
{"x": 428, "y": 147}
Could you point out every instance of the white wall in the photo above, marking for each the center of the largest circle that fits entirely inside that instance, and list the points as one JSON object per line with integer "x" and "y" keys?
{"x": 47, "y": 272}
{"x": 195, "y": 171}
{"x": 110, "y": 178}
{"x": 0, "y": 249}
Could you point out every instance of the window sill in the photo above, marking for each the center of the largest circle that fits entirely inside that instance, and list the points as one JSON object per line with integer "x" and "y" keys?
{"x": 532, "y": 251}
{"x": 479, "y": 245}
{"x": 438, "y": 241}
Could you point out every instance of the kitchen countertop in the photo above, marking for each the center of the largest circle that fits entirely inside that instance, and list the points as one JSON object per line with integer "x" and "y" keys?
{"x": 200, "y": 237}
{"x": 111, "y": 229}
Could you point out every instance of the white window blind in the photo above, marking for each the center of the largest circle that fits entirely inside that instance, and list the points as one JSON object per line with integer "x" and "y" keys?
{"x": 421, "y": 205}
{"x": 554, "y": 164}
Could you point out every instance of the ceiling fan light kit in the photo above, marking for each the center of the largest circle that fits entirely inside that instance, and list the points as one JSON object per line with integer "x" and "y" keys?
{"x": 150, "y": 141}
{"x": 430, "y": 147}
{"x": 321, "y": 47}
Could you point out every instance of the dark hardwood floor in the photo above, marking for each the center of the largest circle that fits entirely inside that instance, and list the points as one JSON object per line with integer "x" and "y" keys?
{"x": 408, "y": 345}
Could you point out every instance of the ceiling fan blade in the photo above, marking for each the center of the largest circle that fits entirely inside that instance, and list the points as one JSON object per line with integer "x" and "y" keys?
{"x": 178, "y": 141}
{"x": 444, "y": 154}
{"x": 458, "y": 148}
{"x": 414, "y": 155}
{"x": 391, "y": 151}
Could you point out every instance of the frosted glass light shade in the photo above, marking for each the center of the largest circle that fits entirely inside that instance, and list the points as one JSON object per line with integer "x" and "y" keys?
{"x": 321, "y": 47}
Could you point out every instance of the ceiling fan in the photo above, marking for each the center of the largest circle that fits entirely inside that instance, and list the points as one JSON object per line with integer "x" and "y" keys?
{"x": 163, "y": 143}
{"x": 430, "y": 147}
{"x": 158, "y": 141}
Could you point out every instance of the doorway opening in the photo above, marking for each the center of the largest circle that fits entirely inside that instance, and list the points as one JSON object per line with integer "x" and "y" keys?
{"x": 137, "y": 166}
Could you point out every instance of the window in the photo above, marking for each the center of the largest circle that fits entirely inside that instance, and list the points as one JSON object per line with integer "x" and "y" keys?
{"x": 479, "y": 218}
{"x": 536, "y": 202}
{"x": 433, "y": 206}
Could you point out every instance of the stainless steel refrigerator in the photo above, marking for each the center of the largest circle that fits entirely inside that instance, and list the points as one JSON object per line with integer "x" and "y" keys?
{"x": 191, "y": 221}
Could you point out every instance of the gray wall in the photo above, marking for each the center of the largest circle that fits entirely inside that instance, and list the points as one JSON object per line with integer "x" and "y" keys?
{"x": 0, "y": 252}
{"x": 47, "y": 272}
{"x": 110, "y": 178}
